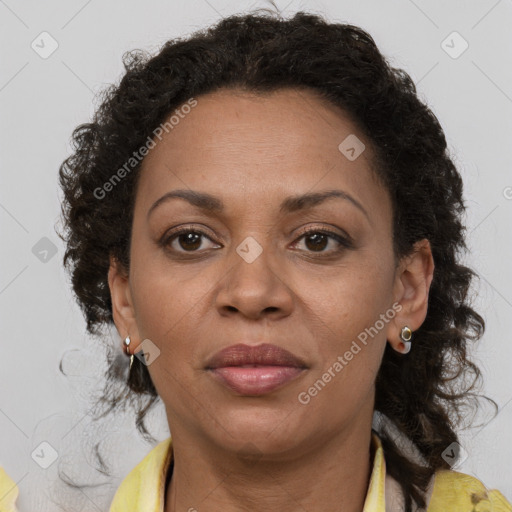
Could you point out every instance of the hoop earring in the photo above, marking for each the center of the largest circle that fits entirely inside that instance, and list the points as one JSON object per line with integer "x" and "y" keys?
{"x": 126, "y": 345}
{"x": 405, "y": 337}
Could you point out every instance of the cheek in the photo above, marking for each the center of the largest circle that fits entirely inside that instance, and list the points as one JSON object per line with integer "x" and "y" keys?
{"x": 342, "y": 303}
{"x": 334, "y": 396}
{"x": 164, "y": 293}
{"x": 343, "y": 313}
{"x": 168, "y": 312}
{"x": 167, "y": 315}
{"x": 348, "y": 359}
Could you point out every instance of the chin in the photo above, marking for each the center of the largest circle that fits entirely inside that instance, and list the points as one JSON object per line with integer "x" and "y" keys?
{"x": 253, "y": 431}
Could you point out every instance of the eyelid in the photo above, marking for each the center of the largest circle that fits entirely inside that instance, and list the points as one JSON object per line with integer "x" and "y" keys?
{"x": 199, "y": 228}
{"x": 185, "y": 228}
{"x": 337, "y": 232}
{"x": 339, "y": 235}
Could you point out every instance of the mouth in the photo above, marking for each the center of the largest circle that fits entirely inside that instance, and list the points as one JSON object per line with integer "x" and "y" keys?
{"x": 255, "y": 370}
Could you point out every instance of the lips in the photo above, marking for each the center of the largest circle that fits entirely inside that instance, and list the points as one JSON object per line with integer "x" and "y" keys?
{"x": 261, "y": 355}
{"x": 255, "y": 370}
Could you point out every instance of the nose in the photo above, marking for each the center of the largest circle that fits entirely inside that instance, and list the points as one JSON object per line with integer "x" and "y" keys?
{"x": 255, "y": 289}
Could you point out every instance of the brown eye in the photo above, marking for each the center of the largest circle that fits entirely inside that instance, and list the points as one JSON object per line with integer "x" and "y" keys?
{"x": 316, "y": 240}
{"x": 185, "y": 240}
{"x": 189, "y": 241}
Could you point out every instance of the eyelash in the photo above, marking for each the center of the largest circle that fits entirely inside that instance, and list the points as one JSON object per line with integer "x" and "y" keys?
{"x": 345, "y": 242}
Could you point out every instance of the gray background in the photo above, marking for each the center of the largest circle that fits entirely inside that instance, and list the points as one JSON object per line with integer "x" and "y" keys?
{"x": 43, "y": 99}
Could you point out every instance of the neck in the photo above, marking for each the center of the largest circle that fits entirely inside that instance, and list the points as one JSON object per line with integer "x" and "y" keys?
{"x": 323, "y": 474}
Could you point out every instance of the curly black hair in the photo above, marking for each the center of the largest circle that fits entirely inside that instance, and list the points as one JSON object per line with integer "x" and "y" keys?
{"x": 422, "y": 395}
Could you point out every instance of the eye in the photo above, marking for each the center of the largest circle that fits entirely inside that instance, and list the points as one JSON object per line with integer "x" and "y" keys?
{"x": 185, "y": 239}
{"x": 317, "y": 240}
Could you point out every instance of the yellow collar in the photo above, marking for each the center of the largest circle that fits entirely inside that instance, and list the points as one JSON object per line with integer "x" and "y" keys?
{"x": 8, "y": 492}
{"x": 375, "y": 497}
{"x": 144, "y": 487}
{"x": 143, "y": 490}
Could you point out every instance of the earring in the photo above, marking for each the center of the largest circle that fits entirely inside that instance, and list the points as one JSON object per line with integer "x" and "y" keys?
{"x": 126, "y": 344}
{"x": 405, "y": 337}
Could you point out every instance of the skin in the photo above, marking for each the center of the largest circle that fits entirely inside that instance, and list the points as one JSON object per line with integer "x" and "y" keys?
{"x": 252, "y": 151}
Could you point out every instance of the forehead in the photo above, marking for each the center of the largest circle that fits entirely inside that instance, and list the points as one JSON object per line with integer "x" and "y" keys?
{"x": 263, "y": 146}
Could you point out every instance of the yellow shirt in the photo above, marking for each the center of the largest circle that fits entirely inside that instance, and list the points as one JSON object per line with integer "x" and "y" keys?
{"x": 143, "y": 489}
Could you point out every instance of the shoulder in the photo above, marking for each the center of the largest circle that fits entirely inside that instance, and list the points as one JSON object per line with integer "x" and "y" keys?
{"x": 8, "y": 492}
{"x": 464, "y": 493}
{"x": 143, "y": 488}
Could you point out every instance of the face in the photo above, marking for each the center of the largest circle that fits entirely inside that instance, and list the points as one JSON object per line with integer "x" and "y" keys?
{"x": 262, "y": 267}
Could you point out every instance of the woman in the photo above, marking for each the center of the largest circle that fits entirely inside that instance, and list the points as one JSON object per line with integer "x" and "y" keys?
{"x": 269, "y": 216}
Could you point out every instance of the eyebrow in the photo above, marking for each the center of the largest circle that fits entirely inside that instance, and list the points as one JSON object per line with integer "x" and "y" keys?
{"x": 291, "y": 204}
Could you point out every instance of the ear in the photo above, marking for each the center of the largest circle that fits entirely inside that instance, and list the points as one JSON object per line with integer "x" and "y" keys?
{"x": 412, "y": 284}
{"x": 123, "y": 311}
